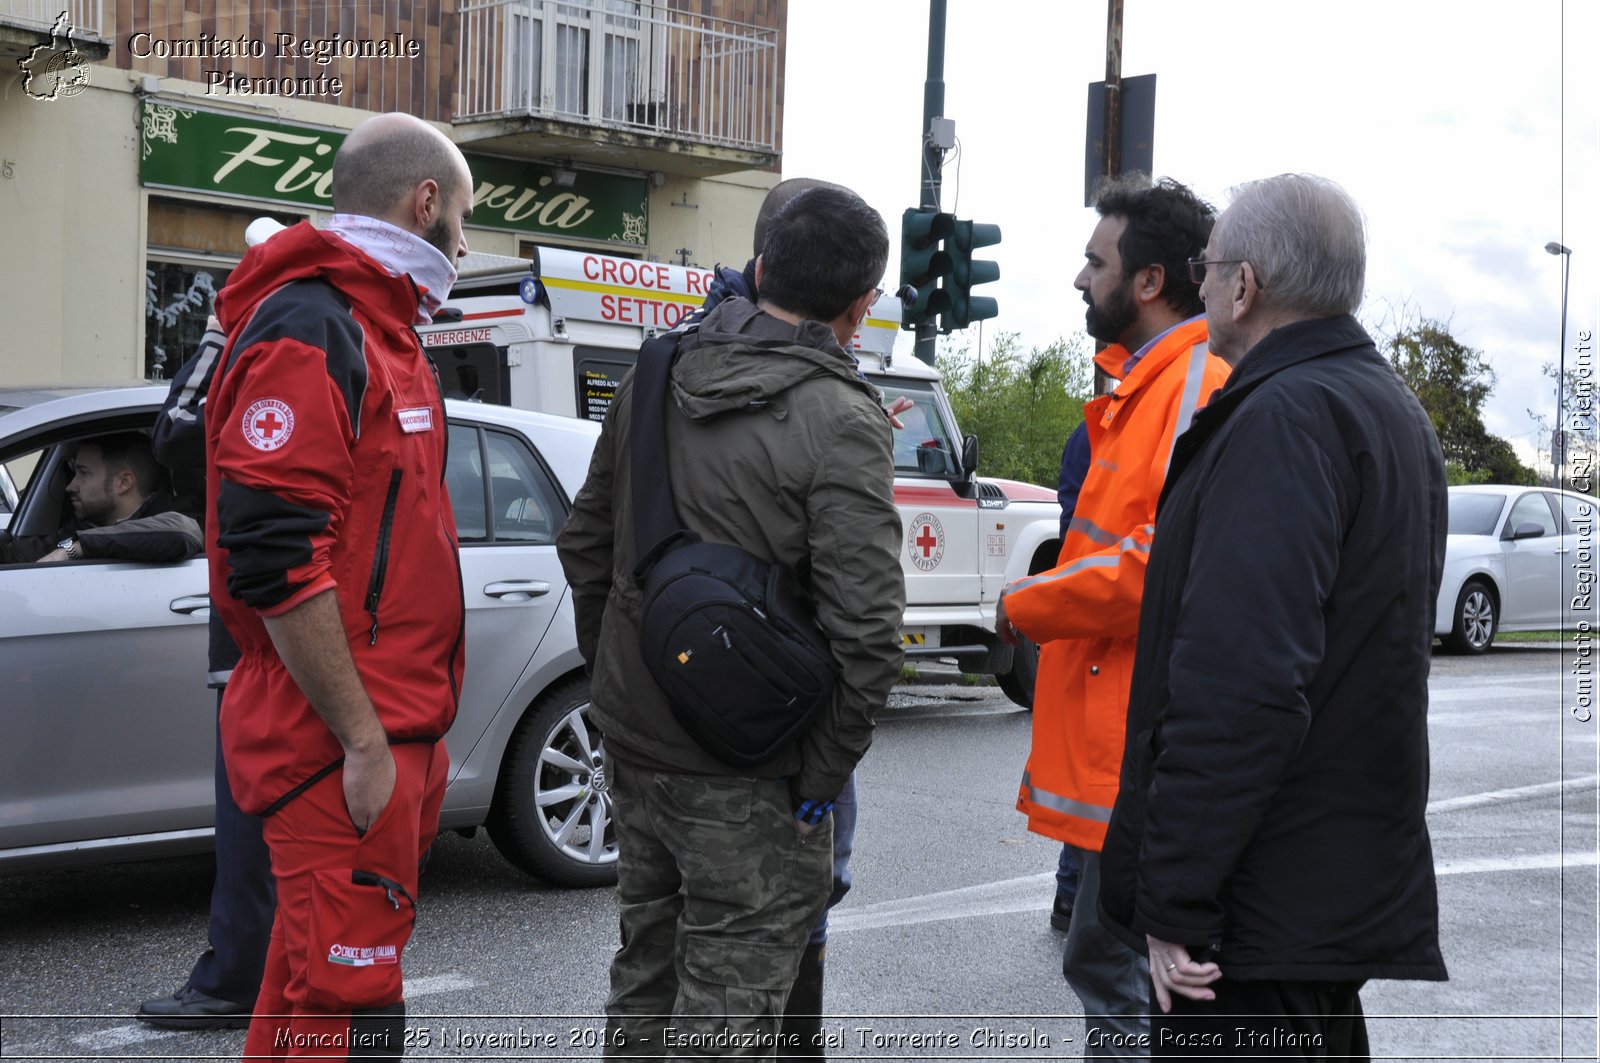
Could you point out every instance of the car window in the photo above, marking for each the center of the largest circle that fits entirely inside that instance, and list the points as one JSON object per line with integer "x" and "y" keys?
{"x": 463, "y": 475}
{"x": 526, "y": 507}
{"x": 1579, "y": 514}
{"x": 499, "y": 492}
{"x": 1472, "y": 514}
{"x": 926, "y": 445}
{"x": 19, "y": 470}
{"x": 1532, "y": 508}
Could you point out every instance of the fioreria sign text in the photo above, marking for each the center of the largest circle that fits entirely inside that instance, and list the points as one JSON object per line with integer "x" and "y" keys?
{"x": 288, "y": 47}
{"x": 249, "y": 158}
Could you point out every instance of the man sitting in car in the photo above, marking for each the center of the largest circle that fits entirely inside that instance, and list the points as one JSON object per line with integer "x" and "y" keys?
{"x": 121, "y": 510}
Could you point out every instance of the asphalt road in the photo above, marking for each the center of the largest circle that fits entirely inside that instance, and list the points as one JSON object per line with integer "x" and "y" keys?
{"x": 943, "y": 949}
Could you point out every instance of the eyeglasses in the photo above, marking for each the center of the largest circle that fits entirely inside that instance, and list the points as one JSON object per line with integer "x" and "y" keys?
{"x": 877, "y": 293}
{"x": 1197, "y": 267}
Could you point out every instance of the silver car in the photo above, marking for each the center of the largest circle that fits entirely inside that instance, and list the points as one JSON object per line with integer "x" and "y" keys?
{"x": 109, "y": 730}
{"x": 1517, "y": 559}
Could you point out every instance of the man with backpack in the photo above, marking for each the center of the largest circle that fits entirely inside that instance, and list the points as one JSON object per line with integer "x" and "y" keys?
{"x": 774, "y": 443}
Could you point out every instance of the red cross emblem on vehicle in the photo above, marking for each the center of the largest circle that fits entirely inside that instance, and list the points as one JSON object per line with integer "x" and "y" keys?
{"x": 925, "y": 541}
{"x": 268, "y": 424}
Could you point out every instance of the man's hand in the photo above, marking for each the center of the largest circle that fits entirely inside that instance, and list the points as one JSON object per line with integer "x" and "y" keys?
{"x": 898, "y": 406}
{"x": 1172, "y": 970}
{"x": 1002, "y": 624}
{"x": 311, "y": 640}
{"x": 368, "y": 785}
{"x": 53, "y": 556}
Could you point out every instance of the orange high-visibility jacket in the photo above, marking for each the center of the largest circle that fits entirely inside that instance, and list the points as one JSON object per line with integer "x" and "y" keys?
{"x": 1084, "y": 613}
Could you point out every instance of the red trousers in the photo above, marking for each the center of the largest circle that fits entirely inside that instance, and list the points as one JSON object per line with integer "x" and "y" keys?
{"x": 346, "y": 905}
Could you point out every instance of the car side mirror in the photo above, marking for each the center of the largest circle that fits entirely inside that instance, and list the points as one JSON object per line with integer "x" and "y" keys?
{"x": 1528, "y": 530}
{"x": 969, "y": 457}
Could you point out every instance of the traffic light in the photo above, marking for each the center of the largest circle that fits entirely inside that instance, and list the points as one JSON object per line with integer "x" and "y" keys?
{"x": 925, "y": 262}
{"x": 962, "y": 308}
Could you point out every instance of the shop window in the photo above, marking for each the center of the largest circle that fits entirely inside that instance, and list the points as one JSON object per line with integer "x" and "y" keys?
{"x": 177, "y": 300}
{"x": 193, "y": 248}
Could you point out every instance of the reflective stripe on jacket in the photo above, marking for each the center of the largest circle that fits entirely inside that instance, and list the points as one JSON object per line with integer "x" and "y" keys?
{"x": 1084, "y": 613}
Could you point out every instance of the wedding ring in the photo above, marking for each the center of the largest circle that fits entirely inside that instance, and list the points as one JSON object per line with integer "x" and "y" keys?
{"x": 1172, "y": 967}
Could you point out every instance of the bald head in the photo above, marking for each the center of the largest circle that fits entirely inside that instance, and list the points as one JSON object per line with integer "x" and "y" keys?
{"x": 381, "y": 163}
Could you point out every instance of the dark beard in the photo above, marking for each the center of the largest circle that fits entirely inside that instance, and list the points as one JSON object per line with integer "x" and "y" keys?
{"x": 438, "y": 234}
{"x": 1111, "y": 320}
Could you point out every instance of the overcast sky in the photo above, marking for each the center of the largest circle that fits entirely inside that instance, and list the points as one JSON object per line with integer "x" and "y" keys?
{"x": 1445, "y": 119}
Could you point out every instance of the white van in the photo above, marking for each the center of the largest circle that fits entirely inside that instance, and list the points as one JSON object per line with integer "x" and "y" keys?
{"x": 558, "y": 332}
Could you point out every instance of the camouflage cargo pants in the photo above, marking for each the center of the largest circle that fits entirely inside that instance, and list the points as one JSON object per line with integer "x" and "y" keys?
{"x": 718, "y": 891}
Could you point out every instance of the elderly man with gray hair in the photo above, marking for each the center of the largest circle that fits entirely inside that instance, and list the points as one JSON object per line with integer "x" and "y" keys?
{"x": 1268, "y": 848}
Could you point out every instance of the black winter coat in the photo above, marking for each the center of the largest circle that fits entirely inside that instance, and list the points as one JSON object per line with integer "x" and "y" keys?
{"x": 1275, "y": 777}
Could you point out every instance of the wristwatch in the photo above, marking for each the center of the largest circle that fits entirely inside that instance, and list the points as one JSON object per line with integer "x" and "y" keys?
{"x": 73, "y": 550}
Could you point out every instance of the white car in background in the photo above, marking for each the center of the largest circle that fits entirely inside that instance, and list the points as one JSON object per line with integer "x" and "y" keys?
{"x": 1518, "y": 559}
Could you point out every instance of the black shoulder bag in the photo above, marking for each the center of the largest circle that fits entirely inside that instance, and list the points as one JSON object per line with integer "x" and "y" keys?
{"x": 728, "y": 637}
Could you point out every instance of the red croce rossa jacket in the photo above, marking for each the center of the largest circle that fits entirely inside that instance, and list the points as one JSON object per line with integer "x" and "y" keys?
{"x": 325, "y": 456}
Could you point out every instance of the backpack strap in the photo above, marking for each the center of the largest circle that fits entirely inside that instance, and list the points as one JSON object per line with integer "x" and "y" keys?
{"x": 656, "y": 527}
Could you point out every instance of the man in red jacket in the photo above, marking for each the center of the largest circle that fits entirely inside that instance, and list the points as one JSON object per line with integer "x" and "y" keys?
{"x": 1084, "y": 613}
{"x": 334, "y": 567}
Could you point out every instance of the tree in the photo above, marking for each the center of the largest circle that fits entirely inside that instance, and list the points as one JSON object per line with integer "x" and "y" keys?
{"x": 1578, "y": 410}
{"x": 1452, "y": 381}
{"x": 1021, "y": 405}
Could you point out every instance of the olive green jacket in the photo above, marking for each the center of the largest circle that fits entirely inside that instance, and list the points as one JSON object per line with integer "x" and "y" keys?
{"x": 775, "y": 443}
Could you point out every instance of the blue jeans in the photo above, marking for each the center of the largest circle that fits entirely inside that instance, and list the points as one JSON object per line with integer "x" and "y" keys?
{"x": 1111, "y": 980}
{"x": 1067, "y": 878}
{"x": 844, "y": 838}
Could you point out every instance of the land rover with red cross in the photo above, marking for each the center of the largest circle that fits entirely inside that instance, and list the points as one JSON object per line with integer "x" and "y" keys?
{"x": 558, "y": 332}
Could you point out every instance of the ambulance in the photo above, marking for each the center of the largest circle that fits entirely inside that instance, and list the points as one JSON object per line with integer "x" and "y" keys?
{"x": 556, "y": 333}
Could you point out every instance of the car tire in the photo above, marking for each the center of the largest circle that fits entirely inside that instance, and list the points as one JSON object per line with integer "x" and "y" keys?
{"x": 1018, "y": 683}
{"x": 1475, "y": 620}
{"x": 552, "y": 814}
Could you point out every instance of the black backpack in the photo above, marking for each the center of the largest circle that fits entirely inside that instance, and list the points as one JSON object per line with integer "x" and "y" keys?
{"x": 729, "y": 638}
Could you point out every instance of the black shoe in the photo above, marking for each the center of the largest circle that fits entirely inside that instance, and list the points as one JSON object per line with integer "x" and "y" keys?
{"x": 1061, "y": 915}
{"x": 190, "y": 1009}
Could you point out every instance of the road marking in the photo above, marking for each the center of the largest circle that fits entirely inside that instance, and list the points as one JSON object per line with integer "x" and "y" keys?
{"x": 1500, "y": 678}
{"x": 1455, "y": 695}
{"x": 1519, "y": 793}
{"x": 1027, "y": 894}
{"x": 438, "y": 983}
{"x": 1534, "y": 862}
{"x": 135, "y": 1033}
{"x": 121, "y": 1037}
{"x": 1035, "y": 893}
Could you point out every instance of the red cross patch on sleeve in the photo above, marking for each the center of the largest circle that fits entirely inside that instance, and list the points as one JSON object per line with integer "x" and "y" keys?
{"x": 268, "y": 424}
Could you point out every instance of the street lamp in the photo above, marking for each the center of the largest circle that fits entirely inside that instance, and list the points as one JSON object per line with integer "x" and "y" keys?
{"x": 1561, "y": 366}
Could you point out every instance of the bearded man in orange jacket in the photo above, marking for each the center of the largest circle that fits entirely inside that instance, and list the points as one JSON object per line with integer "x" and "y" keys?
{"x": 1084, "y": 613}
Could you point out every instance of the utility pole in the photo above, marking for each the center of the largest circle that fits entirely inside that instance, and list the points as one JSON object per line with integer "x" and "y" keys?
{"x": 930, "y": 159}
{"x": 1113, "y": 87}
{"x": 1103, "y": 382}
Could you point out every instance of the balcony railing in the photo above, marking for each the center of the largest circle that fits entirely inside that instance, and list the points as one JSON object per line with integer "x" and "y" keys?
{"x": 40, "y": 15}
{"x": 620, "y": 64}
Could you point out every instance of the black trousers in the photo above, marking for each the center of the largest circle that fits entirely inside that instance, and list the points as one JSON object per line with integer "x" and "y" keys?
{"x": 1264, "y": 1020}
{"x": 243, "y": 902}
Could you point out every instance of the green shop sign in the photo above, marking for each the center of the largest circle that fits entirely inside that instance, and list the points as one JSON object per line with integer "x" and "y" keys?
{"x": 203, "y": 151}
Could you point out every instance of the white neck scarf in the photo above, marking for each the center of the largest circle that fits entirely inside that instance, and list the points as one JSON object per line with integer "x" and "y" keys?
{"x": 400, "y": 252}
